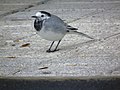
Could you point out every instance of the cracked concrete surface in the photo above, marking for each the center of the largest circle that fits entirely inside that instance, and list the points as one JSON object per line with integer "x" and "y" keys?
{"x": 14, "y": 6}
{"x": 22, "y": 51}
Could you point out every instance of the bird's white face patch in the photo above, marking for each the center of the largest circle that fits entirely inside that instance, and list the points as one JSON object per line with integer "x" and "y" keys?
{"x": 42, "y": 16}
{"x": 38, "y": 14}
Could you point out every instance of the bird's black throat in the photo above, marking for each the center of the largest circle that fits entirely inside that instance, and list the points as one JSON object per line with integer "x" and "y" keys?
{"x": 38, "y": 24}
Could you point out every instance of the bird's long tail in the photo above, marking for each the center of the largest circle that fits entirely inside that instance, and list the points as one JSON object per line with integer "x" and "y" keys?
{"x": 79, "y": 33}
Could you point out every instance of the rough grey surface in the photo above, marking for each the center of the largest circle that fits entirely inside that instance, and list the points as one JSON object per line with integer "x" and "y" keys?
{"x": 78, "y": 56}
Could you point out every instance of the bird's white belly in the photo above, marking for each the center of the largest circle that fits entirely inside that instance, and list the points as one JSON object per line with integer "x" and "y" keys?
{"x": 51, "y": 36}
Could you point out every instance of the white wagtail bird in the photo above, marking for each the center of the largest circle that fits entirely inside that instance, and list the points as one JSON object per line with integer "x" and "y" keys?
{"x": 52, "y": 28}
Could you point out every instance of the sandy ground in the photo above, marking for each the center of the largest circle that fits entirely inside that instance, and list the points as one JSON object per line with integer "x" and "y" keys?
{"x": 23, "y": 52}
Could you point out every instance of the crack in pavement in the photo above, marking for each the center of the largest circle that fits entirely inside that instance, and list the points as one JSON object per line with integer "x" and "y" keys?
{"x": 23, "y": 9}
{"x": 113, "y": 70}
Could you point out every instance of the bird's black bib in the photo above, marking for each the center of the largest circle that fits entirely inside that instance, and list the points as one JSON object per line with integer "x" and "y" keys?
{"x": 38, "y": 24}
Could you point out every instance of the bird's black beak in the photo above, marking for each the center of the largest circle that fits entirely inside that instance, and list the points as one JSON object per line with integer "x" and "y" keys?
{"x": 34, "y": 16}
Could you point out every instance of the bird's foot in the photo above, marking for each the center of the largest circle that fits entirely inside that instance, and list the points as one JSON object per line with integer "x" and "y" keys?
{"x": 52, "y": 50}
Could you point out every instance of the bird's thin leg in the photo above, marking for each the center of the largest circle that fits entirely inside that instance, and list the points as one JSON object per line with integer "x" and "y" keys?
{"x": 49, "y": 50}
{"x": 57, "y": 45}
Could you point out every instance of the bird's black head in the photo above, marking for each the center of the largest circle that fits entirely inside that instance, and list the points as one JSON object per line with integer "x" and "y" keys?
{"x": 44, "y": 12}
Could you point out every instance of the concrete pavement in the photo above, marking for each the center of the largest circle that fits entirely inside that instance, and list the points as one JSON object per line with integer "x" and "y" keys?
{"x": 22, "y": 51}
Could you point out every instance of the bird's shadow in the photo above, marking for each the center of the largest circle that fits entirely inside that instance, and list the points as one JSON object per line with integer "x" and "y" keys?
{"x": 69, "y": 47}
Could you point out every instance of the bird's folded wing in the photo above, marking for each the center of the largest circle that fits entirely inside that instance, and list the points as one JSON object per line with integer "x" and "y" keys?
{"x": 71, "y": 28}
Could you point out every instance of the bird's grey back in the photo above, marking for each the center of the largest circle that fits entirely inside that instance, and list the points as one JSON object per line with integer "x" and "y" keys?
{"x": 55, "y": 24}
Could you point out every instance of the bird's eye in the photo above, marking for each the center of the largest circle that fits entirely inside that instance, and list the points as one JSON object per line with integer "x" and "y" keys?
{"x": 42, "y": 15}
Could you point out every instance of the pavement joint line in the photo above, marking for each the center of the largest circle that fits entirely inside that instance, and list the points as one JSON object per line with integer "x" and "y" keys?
{"x": 17, "y": 25}
{"x": 111, "y": 36}
{"x": 53, "y": 58}
{"x": 90, "y": 14}
{"x": 81, "y": 44}
{"x": 15, "y": 4}
{"x": 85, "y": 16}
{"x": 93, "y": 2}
{"x": 23, "y": 9}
